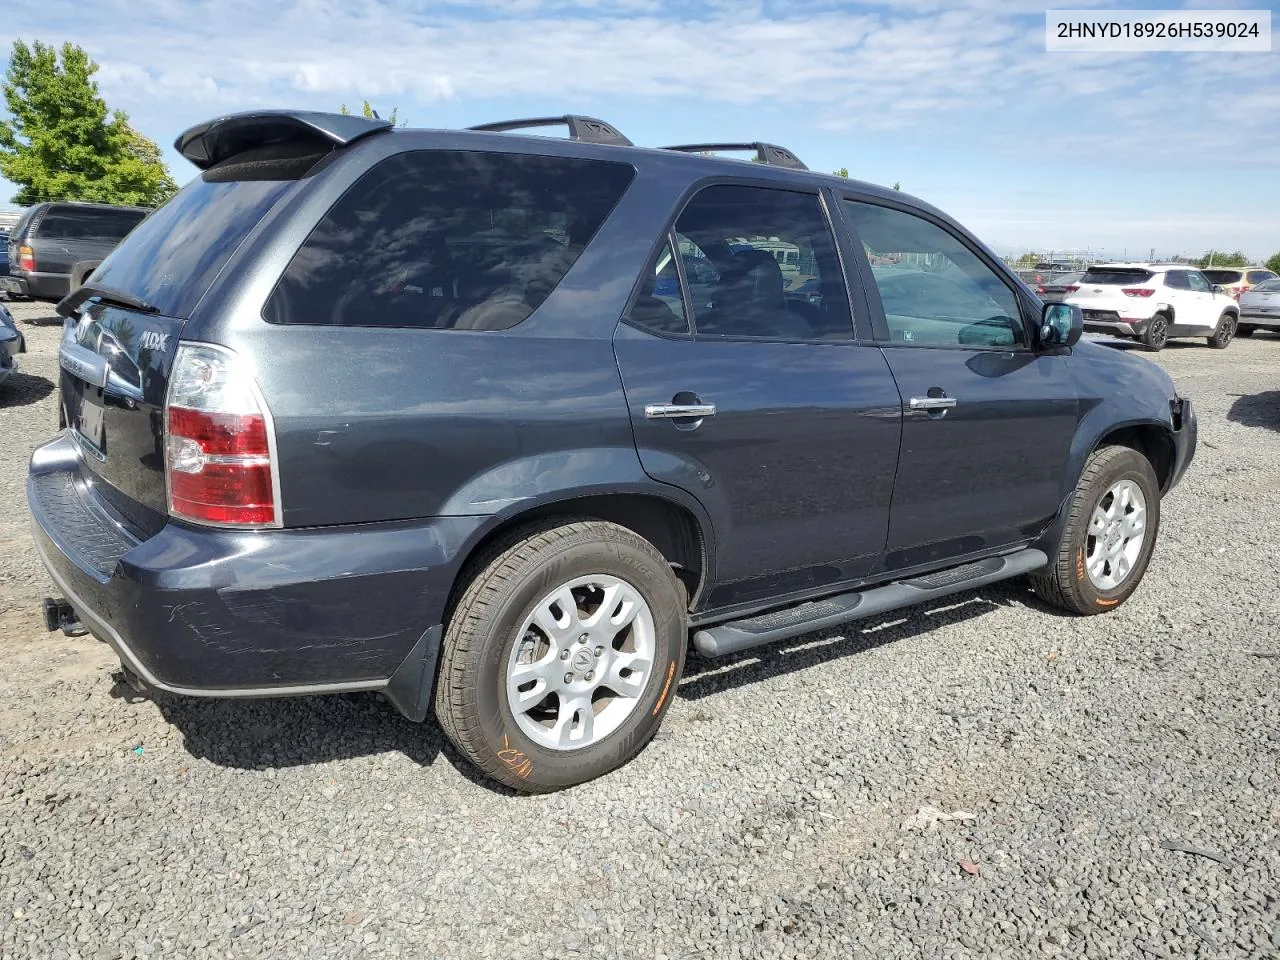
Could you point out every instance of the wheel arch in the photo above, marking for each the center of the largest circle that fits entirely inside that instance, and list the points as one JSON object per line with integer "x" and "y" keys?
{"x": 679, "y": 530}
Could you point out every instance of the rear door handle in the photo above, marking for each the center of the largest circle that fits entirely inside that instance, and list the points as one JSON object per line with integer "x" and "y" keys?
{"x": 677, "y": 411}
{"x": 932, "y": 403}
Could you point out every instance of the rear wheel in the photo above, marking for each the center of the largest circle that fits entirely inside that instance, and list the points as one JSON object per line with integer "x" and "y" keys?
{"x": 1111, "y": 528}
{"x": 1223, "y": 332}
{"x": 1245, "y": 330}
{"x": 562, "y": 656}
{"x": 1157, "y": 333}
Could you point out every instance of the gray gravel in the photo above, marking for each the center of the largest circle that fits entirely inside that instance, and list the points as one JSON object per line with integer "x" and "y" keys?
{"x": 767, "y": 819}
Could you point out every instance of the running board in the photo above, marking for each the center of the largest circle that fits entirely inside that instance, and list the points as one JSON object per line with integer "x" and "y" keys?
{"x": 795, "y": 621}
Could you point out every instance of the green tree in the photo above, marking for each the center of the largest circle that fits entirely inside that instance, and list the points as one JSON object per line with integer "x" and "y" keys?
{"x": 1220, "y": 259}
{"x": 897, "y": 185}
{"x": 367, "y": 111}
{"x": 61, "y": 142}
{"x": 1273, "y": 263}
{"x": 842, "y": 172}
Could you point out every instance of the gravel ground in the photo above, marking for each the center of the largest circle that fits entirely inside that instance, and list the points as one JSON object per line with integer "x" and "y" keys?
{"x": 767, "y": 819}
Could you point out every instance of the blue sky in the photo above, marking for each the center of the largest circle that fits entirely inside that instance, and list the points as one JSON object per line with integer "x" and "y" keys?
{"x": 957, "y": 100}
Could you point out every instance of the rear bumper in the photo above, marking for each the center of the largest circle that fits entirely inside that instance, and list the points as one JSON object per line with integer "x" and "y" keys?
{"x": 244, "y": 614}
{"x": 43, "y": 286}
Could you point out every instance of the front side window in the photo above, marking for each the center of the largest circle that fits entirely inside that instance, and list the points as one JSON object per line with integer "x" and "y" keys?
{"x": 748, "y": 254}
{"x": 1198, "y": 282}
{"x": 936, "y": 292}
{"x": 445, "y": 239}
{"x": 1177, "y": 280}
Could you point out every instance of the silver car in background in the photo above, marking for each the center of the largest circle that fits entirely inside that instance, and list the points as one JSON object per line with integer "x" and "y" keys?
{"x": 1260, "y": 308}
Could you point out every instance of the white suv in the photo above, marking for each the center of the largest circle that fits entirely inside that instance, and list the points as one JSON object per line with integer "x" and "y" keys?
{"x": 1153, "y": 302}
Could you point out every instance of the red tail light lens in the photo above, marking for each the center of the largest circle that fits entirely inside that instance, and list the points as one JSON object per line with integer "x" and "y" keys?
{"x": 218, "y": 442}
{"x": 26, "y": 259}
{"x": 1137, "y": 291}
{"x": 1040, "y": 289}
{"x": 1072, "y": 287}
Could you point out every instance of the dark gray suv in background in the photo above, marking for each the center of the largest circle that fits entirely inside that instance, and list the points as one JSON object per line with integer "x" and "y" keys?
{"x": 54, "y": 246}
{"x": 499, "y": 424}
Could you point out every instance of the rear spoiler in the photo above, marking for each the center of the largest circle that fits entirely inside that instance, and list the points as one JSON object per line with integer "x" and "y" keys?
{"x": 213, "y": 141}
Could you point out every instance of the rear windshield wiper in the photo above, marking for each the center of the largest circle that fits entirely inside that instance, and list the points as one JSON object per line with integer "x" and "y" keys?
{"x": 69, "y": 304}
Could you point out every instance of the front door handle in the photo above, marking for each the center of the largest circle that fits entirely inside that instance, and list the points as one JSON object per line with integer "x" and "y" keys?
{"x": 932, "y": 403}
{"x": 679, "y": 411}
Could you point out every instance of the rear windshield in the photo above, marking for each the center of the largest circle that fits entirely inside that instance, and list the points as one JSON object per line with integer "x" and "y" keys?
{"x": 87, "y": 223}
{"x": 448, "y": 240}
{"x": 1116, "y": 275}
{"x": 1222, "y": 276}
{"x": 177, "y": 252}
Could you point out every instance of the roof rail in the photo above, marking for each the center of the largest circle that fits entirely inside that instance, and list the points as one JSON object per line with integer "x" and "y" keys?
{"x": 213, "y": 141}
{"x": 769, "y": 153}
{"x": 586, "y": 129}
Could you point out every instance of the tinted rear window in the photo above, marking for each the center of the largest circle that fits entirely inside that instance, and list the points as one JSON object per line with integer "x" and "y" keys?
{"x": 448, "y": 240}
{"x": 1260, "y": 276}
{"x": 87, "y": 223}
{"x": 1222, "y": 276}
{"x": 174, "y": 256}
{"x": 1117, "y": 276}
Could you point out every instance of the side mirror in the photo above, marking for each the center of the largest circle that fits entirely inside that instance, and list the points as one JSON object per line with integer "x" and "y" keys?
{"x": 1217, "y": 288}
{"x": 1061, "y": 325}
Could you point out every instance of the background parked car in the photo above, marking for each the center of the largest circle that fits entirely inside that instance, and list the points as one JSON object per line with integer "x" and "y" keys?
{"x": 1260, "y": 308}
{"x": 1237, "y": 281}
{"x": 4, "y": 253}
{"x": 51, "y": 238}
{"x": 1153, "y": 302}
{"x": 1056, "y": 290}
{"x": 12, "y": 343}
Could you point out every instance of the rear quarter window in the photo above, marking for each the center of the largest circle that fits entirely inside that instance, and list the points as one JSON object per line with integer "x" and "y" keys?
{"x": 443, "y": 239}
{"x": 1260, "y": 276}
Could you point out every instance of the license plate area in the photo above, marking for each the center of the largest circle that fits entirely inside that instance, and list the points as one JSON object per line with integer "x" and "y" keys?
{"x": 86, "y": 409}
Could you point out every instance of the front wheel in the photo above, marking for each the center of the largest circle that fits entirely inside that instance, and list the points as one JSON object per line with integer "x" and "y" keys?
{"x": 1157, "y": 333}
{"x": 1111, "y": 528}
{"x": 562, "y": 655}
{"x": 1223, "y": 332}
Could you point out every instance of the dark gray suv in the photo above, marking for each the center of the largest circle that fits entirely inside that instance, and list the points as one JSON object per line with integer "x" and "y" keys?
{"x": 54, "y": 246}
{"x": 499, "y": 425}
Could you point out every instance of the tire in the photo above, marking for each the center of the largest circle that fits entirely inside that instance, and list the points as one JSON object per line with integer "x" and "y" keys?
{"x": 490, "y": 636}
{"x": 1157, "y": 333}
{"x": 1069, "y": 581}
{"x": 1223, "y": 332}
{"x": 1245, "y": 330}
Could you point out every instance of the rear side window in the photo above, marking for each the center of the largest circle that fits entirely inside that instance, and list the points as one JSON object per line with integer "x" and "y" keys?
{"x": 177, "y": 252}
{"x": 1223, "y": 277}
{"x": 748, "y": 251}
{"x": 87, "y": 223}
{"x": 1260, "y": 276}
{"x": 1117, "y": 276}
{"x": 442, "y": 239}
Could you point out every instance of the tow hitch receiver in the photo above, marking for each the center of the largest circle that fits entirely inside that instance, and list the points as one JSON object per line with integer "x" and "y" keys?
{"x": 59, "y": 615}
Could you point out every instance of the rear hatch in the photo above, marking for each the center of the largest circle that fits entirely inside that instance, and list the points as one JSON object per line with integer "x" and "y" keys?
{"x": 1102, "y": 289}
{"x": 119, "y": 344}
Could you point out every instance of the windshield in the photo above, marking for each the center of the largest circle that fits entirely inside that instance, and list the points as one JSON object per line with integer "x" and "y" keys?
{"x": 1116, "y": 276}
{"x": 1222, "y": 276}
{"x": 1268, "y": 286}
{"x": 174, "y": 255}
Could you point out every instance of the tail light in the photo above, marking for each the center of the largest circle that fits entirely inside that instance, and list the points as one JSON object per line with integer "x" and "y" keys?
{"x": 1137, "y": 291}
{"x": 1040, "y": 289}
{"x": 26, "y": 259}
{"x": 1072, "y": 287}
{"x": 220, "y": 464}
{"x": 1241, "y": 291}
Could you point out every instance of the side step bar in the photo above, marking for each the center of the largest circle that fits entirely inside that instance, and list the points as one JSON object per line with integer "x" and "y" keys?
{"x": 756, "y": 631}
